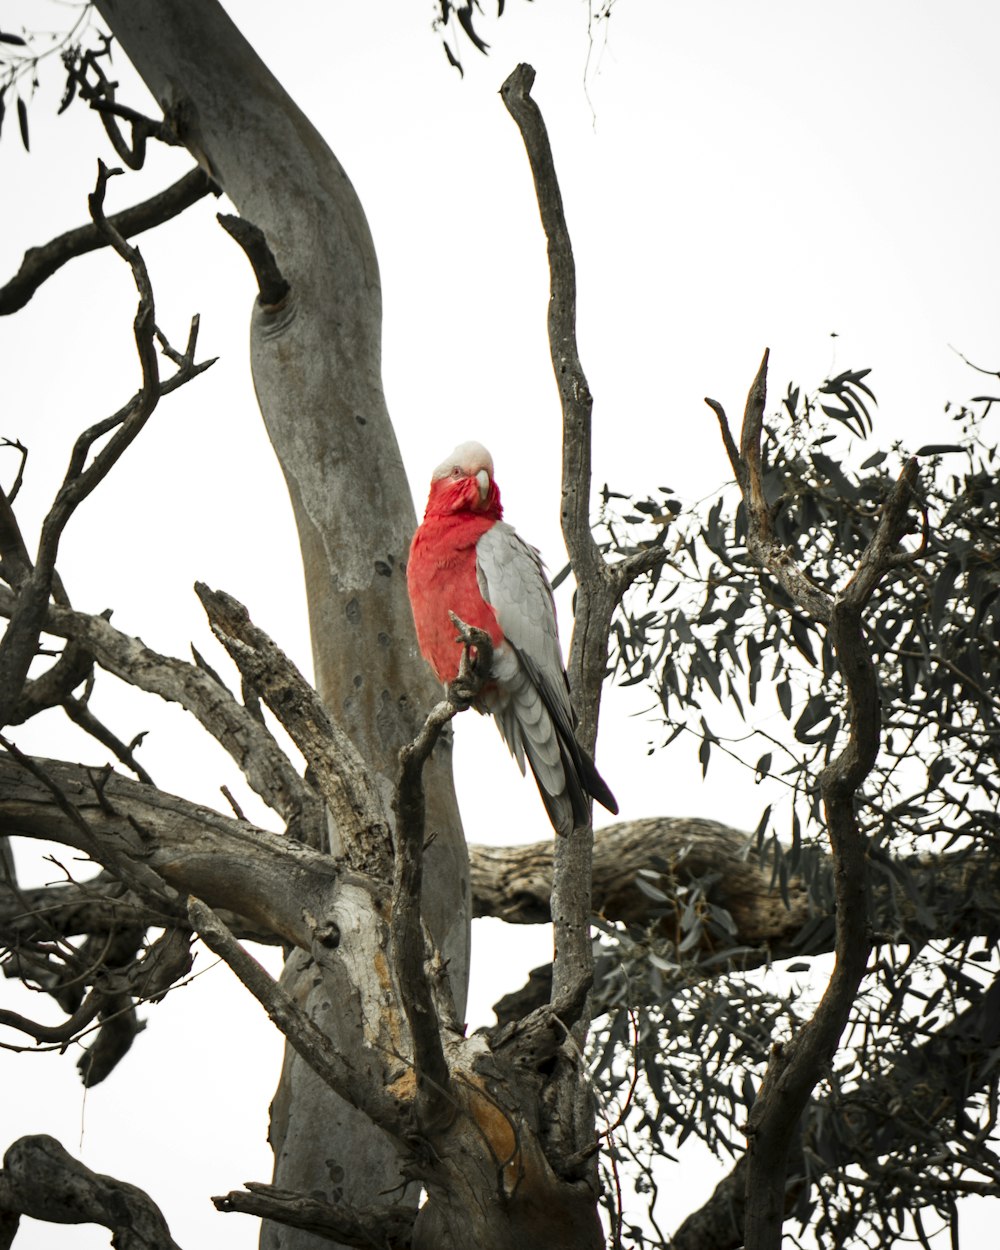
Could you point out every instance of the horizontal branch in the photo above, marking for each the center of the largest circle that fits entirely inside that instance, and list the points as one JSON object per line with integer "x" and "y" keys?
{"x": 352, "y": 1226}
{"x": 273, "y": 882}
{"x": 96, "y": 907}
{"x": 41, "y": 1180}
{"x": 40, "y": 263}
{"x": 188, "y": 842}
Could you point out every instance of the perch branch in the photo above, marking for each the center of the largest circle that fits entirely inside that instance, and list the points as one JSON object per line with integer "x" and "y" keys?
{"x": 407, "y": 940}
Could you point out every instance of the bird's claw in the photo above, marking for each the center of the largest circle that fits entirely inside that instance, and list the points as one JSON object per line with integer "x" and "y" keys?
{"x": 475, "y": 664}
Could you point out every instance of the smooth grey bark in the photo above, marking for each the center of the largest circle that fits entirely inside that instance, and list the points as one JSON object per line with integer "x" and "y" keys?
{"x": 316, "y": 367}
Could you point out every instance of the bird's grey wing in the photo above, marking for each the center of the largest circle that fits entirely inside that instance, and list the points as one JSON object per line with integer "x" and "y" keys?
{"x": 512, "y": 580}
{"x": 531, "y": 703}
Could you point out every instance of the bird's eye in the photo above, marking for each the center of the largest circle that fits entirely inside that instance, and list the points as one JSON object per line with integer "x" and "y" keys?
{"x": 456, "y": 471}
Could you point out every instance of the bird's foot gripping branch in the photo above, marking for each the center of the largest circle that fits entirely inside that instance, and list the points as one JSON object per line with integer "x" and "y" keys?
{"x": 474, "y": 666}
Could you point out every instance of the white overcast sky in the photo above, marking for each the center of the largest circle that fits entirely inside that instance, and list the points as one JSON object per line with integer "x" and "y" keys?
{"x": 735, "y": 176}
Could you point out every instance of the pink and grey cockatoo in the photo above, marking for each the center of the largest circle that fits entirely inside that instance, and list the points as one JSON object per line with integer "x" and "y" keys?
{"x": 465, "y": 559}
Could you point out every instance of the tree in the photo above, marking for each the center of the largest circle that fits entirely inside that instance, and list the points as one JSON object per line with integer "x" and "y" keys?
{"x": 531, "y": 1078}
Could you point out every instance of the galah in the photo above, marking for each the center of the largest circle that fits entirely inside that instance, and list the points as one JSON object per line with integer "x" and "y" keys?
{"x": 466, "y": 559}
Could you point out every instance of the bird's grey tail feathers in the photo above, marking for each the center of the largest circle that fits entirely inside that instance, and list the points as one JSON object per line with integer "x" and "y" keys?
{"x": 536, "y": 722}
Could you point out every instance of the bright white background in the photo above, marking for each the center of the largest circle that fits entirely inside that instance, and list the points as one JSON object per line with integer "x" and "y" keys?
{"x": 735, "y": 175}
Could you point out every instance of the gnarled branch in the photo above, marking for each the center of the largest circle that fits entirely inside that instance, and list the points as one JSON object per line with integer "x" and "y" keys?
{"x": 41, "y": 1180}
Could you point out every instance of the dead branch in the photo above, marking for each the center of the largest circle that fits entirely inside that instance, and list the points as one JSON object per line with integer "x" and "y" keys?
{"x": 266, "y": 767}
{"x": 268, "y": 880}
{"x": 408, "y": 943}
{"x": 100, "y": 95}
{"x": 80, "y": 714}
{"x": 40, "y": 1180}
{"x": 54, "y": 687}
{"x": 20, "y": 642}
{"x": 599, "y": 586}
{"x": 761, "y": 543}
{"x": 96, "y": 907}
{"x": 271, "y": 284}
{"x": 574, "y": 393}
{"x": 355, "y": 803}
{"x": 352, "y": 1226}
{"x": 40, "y": 263}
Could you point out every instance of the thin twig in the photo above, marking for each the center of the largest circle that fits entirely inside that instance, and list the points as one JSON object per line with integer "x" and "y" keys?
{"x": 20, "y": 642}
{"x": 40, "y": 263}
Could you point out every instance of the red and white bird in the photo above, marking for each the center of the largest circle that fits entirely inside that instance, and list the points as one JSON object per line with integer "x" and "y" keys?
{"x": 466, "y": 559}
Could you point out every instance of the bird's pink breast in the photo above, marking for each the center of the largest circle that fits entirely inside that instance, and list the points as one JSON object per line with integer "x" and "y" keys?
{"x": 441, "y": 577}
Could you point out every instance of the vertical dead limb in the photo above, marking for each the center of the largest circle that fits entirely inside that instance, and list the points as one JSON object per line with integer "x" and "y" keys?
{"x": 434, "y": 1103}
{"x": 796, "y": 1068}
{"x": 599, "y": 586}
{"x": 599, "y": 590}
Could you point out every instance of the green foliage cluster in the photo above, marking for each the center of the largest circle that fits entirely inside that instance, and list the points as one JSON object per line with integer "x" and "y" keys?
{"x": 905, "y": 1120}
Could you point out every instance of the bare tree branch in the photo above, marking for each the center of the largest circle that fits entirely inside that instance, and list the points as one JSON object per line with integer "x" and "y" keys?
{"x": 746, "y": 462}
{"x": 574, "y": 393}
{"x": 408, "y": 944}
{"x": 100, "y": 95}
{"x": 352, "y": 1226}
{"x": 80, "y": 714}
{"x": 40, "y": 1180}
{"x": 271, "y": 881}
{"x": 355, "y": 803}
{"x": 250, "y": 743}
{"x": 40, "y": 263}
{"x": 101, "y": 904}
{"x": 20, "y": 642}
{"x": 271, "y": 284}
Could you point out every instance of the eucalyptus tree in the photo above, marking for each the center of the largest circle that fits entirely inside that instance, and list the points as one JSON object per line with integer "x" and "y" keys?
{"x": 864, "y": 599}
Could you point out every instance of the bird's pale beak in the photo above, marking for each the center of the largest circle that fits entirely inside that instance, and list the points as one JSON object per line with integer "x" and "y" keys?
{"x": 483, "y": 478}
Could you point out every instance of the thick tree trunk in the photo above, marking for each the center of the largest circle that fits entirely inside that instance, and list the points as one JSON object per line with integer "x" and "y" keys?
{"x": 316, "y": 367}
